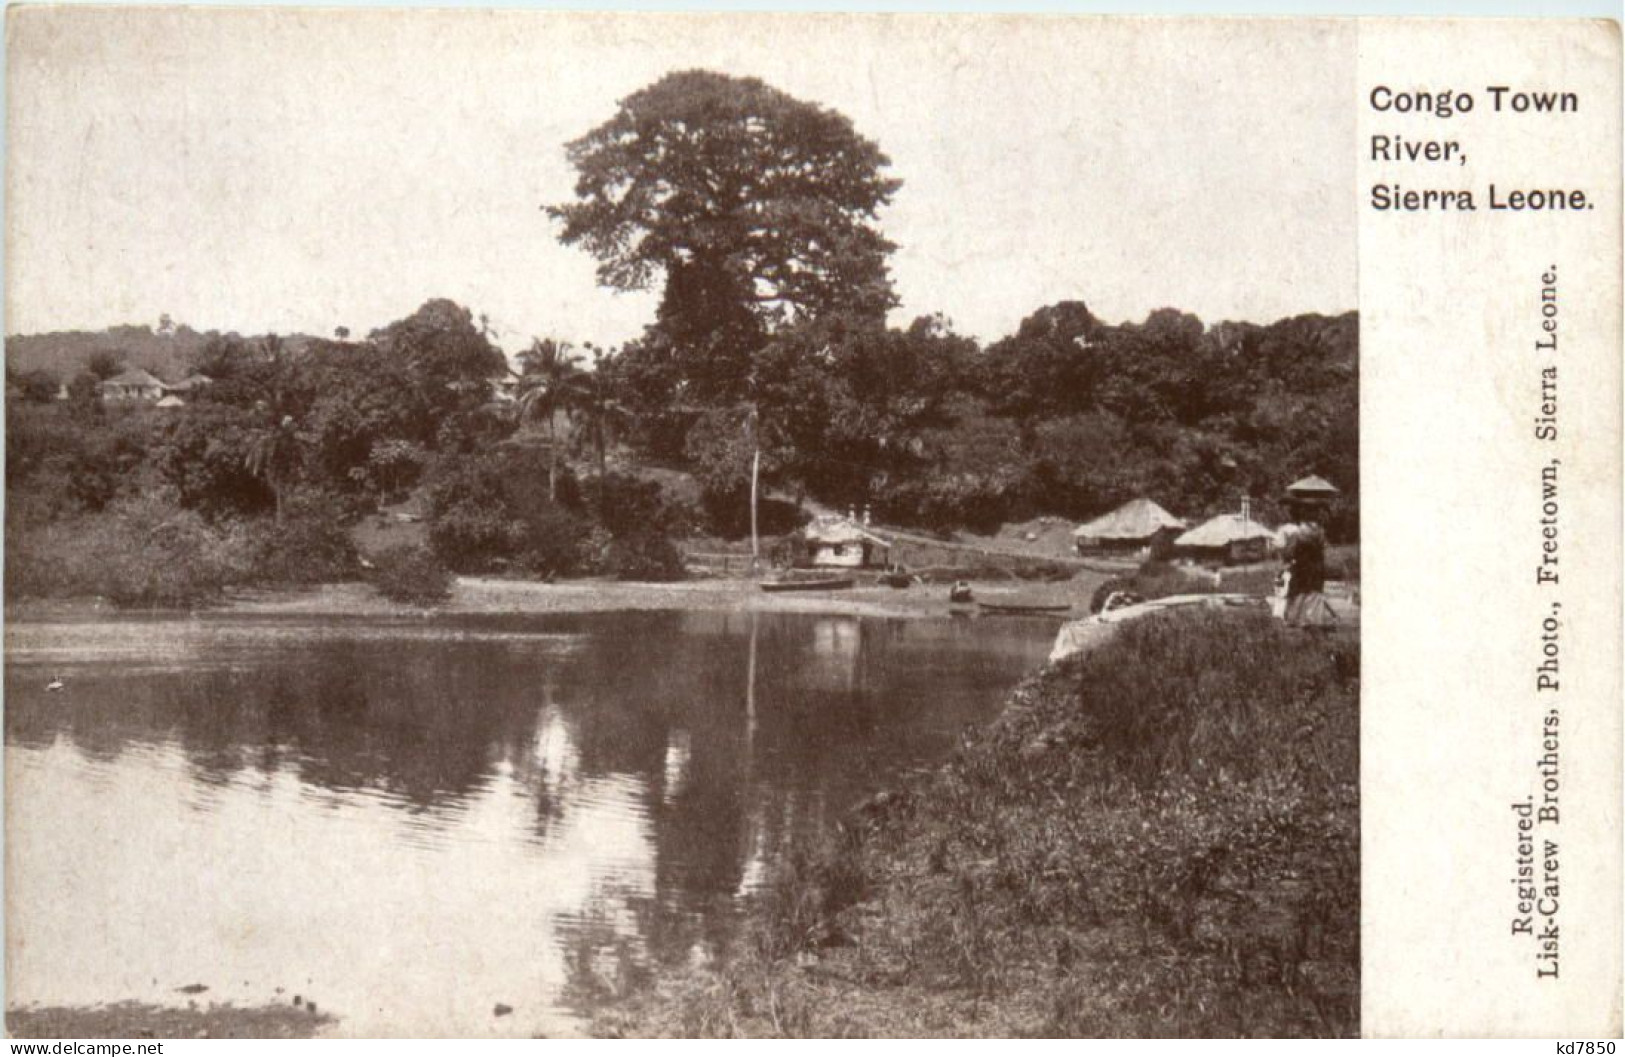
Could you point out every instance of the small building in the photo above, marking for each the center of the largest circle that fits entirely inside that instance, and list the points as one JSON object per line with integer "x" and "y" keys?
{"x": 1312, "y": 489}
{"x": 1133, "y": 528}
{"x": 1311, "y": 498}
{"x": 170, "y": 401}
{"x": 1229, "y": 539}
{"x": 188, "y": 387}
{"x": 132, "y": 385}
{"x": 844, "y": 543}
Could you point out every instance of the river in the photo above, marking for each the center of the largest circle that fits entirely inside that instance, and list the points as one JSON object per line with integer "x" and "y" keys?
{"x": 412, "y": 822}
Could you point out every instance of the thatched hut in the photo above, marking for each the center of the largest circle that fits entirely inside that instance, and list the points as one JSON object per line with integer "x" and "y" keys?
{"x": 1312, "y": 488}
{"x": 1229, "y": 539}
{"x": 1133, "y": 528}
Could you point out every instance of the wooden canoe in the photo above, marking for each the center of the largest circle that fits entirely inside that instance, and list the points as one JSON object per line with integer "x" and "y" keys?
{"x": 832, "y": 584}
{"x": 1020, "y": 608}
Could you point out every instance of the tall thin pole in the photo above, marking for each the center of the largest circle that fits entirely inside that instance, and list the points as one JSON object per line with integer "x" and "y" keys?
{"x": 755, "y": 476}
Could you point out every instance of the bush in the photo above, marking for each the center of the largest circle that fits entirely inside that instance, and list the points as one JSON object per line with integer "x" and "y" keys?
{"x": 471, "y": 523}
{"x": 60, "y": 465}
{"x": 139, "y": 552}
{"x": 797, "y": 909}
{"x": 556, "y": 542}
{"x": 203, "y": 455}
{"x": 411, "y": 574}
{"x": 625, "y": 505}
{"x": 643, "y": 557}
{"x": 309, "y": 545}
{"x": 1223, "y": 761}
{"x": 638, "y": 521}
{"x": 488, "y": 512}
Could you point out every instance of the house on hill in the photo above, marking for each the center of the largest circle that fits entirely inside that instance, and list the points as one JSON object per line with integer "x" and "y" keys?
{"x": 1229, "y": 539}
{"x": 189, "y": 386}
{"x": 131, "y": 385}
{"x": 1133, "y": 528}
{"x": 844, "y": 543}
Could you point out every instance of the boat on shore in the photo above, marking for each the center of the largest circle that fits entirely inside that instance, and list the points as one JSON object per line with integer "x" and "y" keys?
{"x": 833, "y": 583}
{"x": 1025, "y": 608}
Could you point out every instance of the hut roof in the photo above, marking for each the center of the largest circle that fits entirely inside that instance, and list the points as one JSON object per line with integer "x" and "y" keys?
{"x": 1311, "y": 487}
{"x": 839, "y": 530}
{"x": 1136, "y": 519}
{"x": 191, "y": 381}
{"x": 171, "y": 401}
{"x": 134, "y": 376}
{"x": 1224, "y": 530}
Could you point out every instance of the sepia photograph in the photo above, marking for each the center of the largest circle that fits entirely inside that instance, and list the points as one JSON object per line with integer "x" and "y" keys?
{"x": 524, "y": 524}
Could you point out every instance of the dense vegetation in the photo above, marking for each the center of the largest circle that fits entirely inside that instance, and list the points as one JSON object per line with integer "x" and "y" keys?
{"x": 756, "y": 216}
{"x": 262, "y": 476}
{"x": 1159, "y": 837}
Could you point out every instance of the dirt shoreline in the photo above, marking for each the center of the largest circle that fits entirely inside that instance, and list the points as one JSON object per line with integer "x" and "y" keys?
{"x": 139, "y": 1020}
{"x": 484, "y": 595}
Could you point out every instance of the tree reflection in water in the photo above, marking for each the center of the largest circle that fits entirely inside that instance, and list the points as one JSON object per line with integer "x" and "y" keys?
{"x": 609, "y": 784}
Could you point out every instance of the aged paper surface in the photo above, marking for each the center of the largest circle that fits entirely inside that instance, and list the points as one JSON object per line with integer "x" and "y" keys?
{"x": 270, "y": 796}
{"x": 1490, "y": 430}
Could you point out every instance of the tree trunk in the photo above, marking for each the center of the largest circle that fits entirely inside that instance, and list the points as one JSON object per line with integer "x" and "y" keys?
{"x": 552, "y": 459}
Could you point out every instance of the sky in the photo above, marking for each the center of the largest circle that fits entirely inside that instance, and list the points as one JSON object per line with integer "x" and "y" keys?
{"x": 291, "y": 170}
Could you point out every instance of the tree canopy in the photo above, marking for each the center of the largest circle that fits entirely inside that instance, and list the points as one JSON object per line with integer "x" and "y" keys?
{"x": 755, "y": 209}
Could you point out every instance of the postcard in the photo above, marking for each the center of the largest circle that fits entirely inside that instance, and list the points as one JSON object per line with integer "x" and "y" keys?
{"x": 535, "y": 524}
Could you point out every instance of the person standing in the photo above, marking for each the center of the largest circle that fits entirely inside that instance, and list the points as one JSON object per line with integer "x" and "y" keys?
{"x": 1306, "y": 605}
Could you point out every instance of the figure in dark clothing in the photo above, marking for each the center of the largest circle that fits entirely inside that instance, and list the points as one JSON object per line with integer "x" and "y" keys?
{"x": 1306, "y": 605}
{"x": 1307, "y": 560}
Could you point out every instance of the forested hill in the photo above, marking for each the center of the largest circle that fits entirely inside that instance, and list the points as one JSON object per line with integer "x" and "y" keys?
{"x": 168, "y": 351}
{"x": 1067, "y": 415}
{"x": 1193, "y": 416}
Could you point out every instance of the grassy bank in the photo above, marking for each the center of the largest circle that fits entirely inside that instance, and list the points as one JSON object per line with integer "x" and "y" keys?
{"x": 1159, "y": 837}
{"x": 136, "y": 1020}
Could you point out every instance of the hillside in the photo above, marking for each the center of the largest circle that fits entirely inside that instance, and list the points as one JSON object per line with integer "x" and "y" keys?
{"x": 168, "y": 353}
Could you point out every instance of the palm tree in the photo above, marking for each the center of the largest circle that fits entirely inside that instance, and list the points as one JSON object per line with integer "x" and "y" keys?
{"x": 595, "y": 408}
{"x": 273, "y": 456}
{"x": 548, "y": 382}
{"x": 276, "y": 448}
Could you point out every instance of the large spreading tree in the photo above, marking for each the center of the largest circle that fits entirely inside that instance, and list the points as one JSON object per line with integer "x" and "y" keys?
{"x": 755, "y": 211}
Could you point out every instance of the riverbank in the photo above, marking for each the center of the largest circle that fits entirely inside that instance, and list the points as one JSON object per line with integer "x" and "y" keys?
{"x": 484, "y": 595}
{"x": 1159, "y": 837}
{"x": 137, "y": 1020}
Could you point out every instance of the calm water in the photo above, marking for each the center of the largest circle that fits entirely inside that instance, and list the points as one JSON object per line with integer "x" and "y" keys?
{"x": 412, "y": 821}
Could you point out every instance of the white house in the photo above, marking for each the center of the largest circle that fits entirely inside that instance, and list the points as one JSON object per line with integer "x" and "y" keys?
{"x": 843, "y": 542}
{"x": 133, "y": 384}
